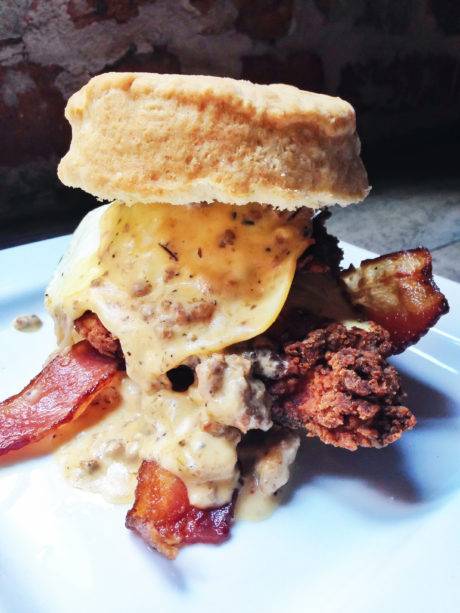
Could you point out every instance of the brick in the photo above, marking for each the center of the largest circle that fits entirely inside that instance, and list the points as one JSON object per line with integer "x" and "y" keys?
{"x": 84, "y": 12}
{"x": 32, "y": 124}
{"x": 264, "y": 19}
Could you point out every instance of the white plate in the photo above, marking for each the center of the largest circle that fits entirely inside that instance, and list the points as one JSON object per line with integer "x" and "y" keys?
{"x": 367, "y": 531}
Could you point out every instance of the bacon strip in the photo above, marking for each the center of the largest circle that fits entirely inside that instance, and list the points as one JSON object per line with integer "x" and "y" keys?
{"x": 397, "y": 291}
{"x": 163, "y": 516}
{"x": 55, "y": 396}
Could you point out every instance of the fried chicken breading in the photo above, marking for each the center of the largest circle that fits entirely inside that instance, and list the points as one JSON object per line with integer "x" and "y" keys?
{"x": 316, "y": 296}
{"x": 89, "y": 326}
{"x": 325, "y": 254}
{"x": 340, "y": 388}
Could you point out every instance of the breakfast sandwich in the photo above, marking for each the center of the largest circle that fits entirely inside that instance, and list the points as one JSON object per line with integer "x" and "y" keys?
{"x": 204, "y": 322}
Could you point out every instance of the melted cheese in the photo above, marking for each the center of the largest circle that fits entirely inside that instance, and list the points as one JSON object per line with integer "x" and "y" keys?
{"x": 167, "y": 427}
{"x": 254, "y": 505}
{"x": 171, "y": 282}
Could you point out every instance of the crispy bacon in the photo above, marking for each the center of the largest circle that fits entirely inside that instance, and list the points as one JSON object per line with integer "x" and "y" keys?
{"x": 64, "y": 388}
{"x": 163, "y": 516}
{"x": 397, "y": 291}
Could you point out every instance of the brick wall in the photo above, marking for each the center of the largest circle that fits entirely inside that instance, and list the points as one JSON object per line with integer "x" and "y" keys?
{"x": 397, "y": 61}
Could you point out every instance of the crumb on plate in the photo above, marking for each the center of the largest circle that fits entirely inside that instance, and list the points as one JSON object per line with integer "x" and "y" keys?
{"x": 27, "y": 323}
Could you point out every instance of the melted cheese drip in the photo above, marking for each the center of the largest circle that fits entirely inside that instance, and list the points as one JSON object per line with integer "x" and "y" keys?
{"x": 254, "y": 505}
{"x": 175, "y": 281}
{"x": 167, "y": 427}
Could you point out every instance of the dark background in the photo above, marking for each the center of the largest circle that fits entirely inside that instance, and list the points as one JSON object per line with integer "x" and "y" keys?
{"x": 396, "y": 61}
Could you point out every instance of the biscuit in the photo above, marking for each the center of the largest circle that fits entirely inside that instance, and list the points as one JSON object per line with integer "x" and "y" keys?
{"x": 141, "y": 137}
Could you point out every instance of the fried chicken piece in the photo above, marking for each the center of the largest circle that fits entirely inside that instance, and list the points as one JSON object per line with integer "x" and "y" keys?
{"x": 317, "y": 295}
{"x": 325, "y": 254}
{"x": 89, "y": 326}
{"x": 340, "y": 388}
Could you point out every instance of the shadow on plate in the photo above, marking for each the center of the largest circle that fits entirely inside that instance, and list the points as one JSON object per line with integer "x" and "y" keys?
{"x": 426, "y": 402}
{"x": 402, "y": 477}
{"x": 171, "y": 572}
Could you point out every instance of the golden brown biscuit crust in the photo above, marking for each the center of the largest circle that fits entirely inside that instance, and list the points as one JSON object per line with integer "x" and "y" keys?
{"x": 140, "y": 137}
